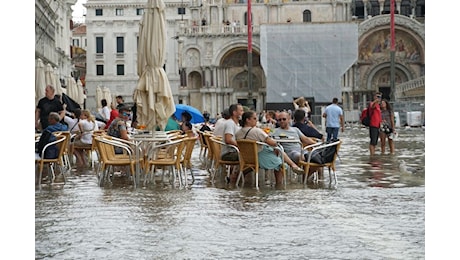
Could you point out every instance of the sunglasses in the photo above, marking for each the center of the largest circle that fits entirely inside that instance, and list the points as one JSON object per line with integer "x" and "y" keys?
{"x": 282, "y": 119}
{"x": 125, "y": 114}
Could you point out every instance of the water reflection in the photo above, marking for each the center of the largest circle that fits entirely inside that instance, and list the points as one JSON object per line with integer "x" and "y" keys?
{"x": 376, "y": 211}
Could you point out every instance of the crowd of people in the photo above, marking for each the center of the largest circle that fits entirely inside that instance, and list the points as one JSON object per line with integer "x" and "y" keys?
{"x": 232, "y": 124}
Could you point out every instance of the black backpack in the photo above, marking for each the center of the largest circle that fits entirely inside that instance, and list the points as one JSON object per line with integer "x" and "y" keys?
{"x": 322, "y": 156}
{"x": 52, "y": 151}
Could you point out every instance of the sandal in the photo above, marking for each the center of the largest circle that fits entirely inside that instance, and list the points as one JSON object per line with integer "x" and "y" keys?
{"x": 297, "y": 170}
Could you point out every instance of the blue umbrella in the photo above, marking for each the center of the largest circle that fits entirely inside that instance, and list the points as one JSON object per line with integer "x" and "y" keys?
{"x": 197, "y": 116}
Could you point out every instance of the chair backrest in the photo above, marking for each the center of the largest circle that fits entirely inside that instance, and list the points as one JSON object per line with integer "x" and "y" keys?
{"x": 248, "y": 153}
{"x": 60, "y": 143}
{"x": 207, "y": 136}
{"x": 189, "y": 145}
{"x": 327, "y": 152}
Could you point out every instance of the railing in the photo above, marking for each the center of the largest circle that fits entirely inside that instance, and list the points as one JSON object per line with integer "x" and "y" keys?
{"x": 216, "y": 29}
{"x": 412, "y": 88}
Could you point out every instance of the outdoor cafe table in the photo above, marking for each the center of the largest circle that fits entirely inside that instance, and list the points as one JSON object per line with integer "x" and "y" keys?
{"x": 141, "y": 142}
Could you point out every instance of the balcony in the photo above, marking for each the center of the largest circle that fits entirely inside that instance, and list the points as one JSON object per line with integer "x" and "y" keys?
{"x": 216, "y": 30}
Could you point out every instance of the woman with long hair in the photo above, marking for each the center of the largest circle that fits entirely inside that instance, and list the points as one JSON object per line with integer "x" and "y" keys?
{"x": 387, "y": 126}
{"x": 87, "y": 125}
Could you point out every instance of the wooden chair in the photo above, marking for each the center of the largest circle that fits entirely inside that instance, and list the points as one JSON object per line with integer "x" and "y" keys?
{"x": 218, "y": 162}
{"x": 186, "y": 161}
{"x": 203, "y": 145}
{"x": 167, "y": 155}
{"x": 209, "y": 159}
{"x": 68, "y": 149}
{"x": 310, "y": 168}
{"x": 249, "y": 159}
{"x": 61, "y": 143}
{"x": 109, "y": 159}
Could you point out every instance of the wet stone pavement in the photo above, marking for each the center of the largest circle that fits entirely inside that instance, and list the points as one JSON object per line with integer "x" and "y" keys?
{"x": 375, "y": 211}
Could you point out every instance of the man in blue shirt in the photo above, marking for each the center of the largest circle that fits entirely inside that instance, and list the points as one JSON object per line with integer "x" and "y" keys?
{"x": 334, "y": 120}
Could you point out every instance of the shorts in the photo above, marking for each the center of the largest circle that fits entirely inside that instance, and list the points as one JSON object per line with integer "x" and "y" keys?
{"x": 374, "y": 135}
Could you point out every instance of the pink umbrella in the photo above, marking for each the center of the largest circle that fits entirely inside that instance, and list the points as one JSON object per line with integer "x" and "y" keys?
{"x": 153, "y": 96}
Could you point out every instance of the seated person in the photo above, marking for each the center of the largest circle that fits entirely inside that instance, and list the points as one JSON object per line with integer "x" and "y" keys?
{"x": 293, "y": 149}
{"x": 47, "y": 136}
{"x": 118, "y": 127}
{"x": 307, "y": 129}
{"x": 186, "y": 126}
{"x": 267, "y": 157}
{"x": 83, "y": 140}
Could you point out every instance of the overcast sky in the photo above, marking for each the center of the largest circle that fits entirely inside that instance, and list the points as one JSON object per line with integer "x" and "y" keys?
{"x": 78, "y": 11}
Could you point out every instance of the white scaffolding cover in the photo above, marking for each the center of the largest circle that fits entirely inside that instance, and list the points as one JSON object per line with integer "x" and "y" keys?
{"x": 307, "y": 59}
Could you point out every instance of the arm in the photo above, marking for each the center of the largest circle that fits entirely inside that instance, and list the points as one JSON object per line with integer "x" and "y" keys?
{"x": 229, "y": 140}
{"x": 37, "y": 117}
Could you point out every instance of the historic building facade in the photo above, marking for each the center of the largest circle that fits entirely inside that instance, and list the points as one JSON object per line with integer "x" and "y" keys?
{"x": 207, "y": 62}
{"x": 53, "y": 22}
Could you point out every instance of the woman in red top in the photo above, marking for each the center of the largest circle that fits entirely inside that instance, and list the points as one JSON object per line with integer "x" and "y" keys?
{"x": 113, "y": 115}
{"x": 374, "y": 125}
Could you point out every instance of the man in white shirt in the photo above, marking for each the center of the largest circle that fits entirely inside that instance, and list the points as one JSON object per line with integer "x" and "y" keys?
{"x": 231, "y": 126}
{"x": 219, "y": 125}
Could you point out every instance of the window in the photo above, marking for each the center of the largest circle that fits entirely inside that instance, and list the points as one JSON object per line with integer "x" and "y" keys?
{"x": 374, "y": 9}
{"x": 406, "y": 8}
{"x": 420, "y": 8}
{"x": 76, "y": 42}
{"x": 118, "y": 12}
{"x": 120, "y": 69}
{"x": 98, "y": 12}
{"x": 120, "y": 46}
{"x": 99, "y": 45}
{"x": 306, "y": 16}
{"x": 181, "y": 10}
{"x": 139, "y": 11}
{"x": 99, "y": 70}
{"x": 359, "y": 9}
{"x": 386, "y": 7}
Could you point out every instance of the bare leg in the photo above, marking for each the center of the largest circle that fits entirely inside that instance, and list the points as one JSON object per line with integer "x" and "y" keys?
{"x": 372, "y": 149}
{"x": 289, "y": 161}
{"x": 383, "y": 138}
{"x": 392, "y": 146}
{"x": 278, "y": 176}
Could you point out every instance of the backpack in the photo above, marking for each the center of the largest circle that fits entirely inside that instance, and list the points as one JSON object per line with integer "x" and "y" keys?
{"x": 323, "y": 156}
{"x": 365, "y": 117}
{"x": 52, "y": 151}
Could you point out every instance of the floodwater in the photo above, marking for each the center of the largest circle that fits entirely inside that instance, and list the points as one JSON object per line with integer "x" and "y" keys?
{"x": 375, "y": 211}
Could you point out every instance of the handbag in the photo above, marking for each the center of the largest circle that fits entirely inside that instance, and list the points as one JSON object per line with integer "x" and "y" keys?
{"x": 385, "y": 128}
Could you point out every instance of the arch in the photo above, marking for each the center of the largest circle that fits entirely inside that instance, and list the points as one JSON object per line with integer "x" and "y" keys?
{"x": 306, "y": 16}
{"x": 378, "y": 75}
{"x": 195, "y": 80}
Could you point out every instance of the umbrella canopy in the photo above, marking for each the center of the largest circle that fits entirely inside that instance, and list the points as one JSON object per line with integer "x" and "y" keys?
{"x": 49, "y": 76}
{"x": 197, "y": 116}
{"x": 40, "y": 81}
{"x": 153, "y": 96}
{"x": 71, "y": 104}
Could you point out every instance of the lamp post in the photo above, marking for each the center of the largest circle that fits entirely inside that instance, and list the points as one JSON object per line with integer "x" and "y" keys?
{"x": 250, "y": 102}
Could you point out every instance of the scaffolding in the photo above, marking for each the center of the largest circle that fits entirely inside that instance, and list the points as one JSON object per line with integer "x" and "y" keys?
{"x": 307, "y": 59}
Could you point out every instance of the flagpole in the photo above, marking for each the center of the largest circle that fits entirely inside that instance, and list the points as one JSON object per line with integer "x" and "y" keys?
{"x": 250, "y": 102}
{"x": 392, "y": 49}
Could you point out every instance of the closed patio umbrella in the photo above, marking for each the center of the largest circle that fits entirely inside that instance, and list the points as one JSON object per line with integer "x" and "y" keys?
{"x": 40, "y": 81}
{"x": 153, "y": 95}
{"x": 80, "y": 93}
{"x": 99, "y": 97}
{"x": 107, "y": 95}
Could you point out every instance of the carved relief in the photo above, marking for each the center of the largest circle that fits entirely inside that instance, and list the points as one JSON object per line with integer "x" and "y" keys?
{"x": 193, "y": 58}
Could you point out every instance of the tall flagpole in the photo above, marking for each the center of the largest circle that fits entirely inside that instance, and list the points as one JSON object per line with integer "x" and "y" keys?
{"x": 392, "y": 49}
{"x": 250, "y": 102}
